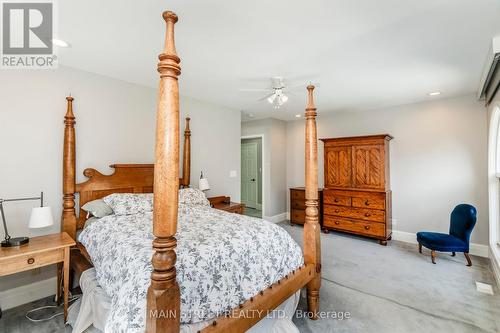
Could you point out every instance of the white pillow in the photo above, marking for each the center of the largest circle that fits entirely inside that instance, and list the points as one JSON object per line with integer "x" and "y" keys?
{"x": 130, "y": 203}
{"x": 97, "y": 208}
{"x": 193, "y": 197}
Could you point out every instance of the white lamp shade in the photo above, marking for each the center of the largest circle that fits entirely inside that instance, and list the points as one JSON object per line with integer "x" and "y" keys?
{"x": 41, "y": 217}
{"x": 203, "y": 184}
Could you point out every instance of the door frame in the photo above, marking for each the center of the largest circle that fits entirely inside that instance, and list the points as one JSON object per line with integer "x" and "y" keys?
{"x": 264, "y": 178}
{"x": 494, "y": 189}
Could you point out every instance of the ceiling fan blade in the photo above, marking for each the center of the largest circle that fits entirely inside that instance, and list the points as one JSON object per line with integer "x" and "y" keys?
{"x": 265, "y": 97}
{"x": 254, "y": 89}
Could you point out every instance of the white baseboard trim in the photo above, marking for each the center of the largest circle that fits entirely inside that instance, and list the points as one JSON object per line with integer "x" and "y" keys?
{"x": 24, "y": 294}
{"x": 495, "y": 261}
{"x": 409, "y": 237}
{"x": 276, "y": 218}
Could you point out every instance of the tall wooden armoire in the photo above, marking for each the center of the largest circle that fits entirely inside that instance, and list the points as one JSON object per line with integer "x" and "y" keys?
{"x": 357, "y": 195}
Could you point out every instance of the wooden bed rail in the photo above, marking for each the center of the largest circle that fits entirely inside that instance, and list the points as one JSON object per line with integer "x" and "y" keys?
{"x": 163, "y": 299}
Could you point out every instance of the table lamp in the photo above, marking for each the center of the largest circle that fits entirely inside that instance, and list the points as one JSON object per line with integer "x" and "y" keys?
{"x": 203, "y": 183}
{"x": 41, "y": 217}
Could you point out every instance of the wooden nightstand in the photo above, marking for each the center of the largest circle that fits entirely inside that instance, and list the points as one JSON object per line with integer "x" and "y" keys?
{"x": 224, "y": 203}
{"x": 40, "y": 251}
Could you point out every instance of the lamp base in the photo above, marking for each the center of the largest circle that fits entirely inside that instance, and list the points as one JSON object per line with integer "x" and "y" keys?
{"x": 13, "y": 242}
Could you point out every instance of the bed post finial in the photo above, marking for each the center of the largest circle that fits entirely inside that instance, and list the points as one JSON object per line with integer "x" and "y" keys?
{"x": 186, "y": 165}
{"x": 163, "y": 299}
{"x": 68, "y": 220}
{"x": 312, "y": 246}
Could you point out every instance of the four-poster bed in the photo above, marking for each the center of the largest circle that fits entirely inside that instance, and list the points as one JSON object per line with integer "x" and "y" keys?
{"x": 163, "y": 311}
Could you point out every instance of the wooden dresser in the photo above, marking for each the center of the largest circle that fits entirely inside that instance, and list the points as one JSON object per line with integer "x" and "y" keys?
{"x": 298, "y": 205}
{"x": 357, "y": 196}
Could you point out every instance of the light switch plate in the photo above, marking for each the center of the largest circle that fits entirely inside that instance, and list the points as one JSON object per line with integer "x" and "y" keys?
{"x": 233, "y": 174}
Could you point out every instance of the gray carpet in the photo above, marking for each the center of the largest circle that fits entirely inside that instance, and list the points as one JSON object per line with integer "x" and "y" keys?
{"x": 396, "y": 289}
{"x": 385, "y": 289}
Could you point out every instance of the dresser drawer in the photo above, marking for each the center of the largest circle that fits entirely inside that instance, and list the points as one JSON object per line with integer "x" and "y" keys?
{"x": 30, "y": 261}
{"x": 297, "y": 194}
{"x": 358, "y": 227}
{"x": 355, "y": 213}
{"x": 298, "y": 216}
{"x": 332, "y": 198}
{"x": 298, "y": 204}
{"x": 373, "y": 201}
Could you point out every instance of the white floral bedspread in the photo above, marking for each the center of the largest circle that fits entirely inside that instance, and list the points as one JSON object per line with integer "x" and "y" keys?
{"x": 222, "y": 260}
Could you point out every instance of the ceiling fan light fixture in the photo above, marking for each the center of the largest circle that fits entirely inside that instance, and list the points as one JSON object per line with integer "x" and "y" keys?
{"x": 271, "y": 99}
{"x": 284, "y": 99}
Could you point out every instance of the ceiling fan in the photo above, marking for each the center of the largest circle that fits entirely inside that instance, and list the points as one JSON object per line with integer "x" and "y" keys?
{"x": 277, "y": 93}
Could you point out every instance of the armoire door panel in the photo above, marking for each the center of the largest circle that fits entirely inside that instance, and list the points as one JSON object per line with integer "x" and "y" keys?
{"x": 368, "y": 166}
{"x": 338, "y": 167}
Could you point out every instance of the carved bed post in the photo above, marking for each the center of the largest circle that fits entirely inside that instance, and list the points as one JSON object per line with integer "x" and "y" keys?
{"x": 312, "y": 247}
{"x": 163, "y": 299}
{"x": 186, "y": 165}
{"x": 68, "y": 222}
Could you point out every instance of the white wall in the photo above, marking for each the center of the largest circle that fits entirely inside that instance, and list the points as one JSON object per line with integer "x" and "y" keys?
{"x": 274, "y": 146}
{"x": 115, "y": 124}
{"x": 438, "y": 158}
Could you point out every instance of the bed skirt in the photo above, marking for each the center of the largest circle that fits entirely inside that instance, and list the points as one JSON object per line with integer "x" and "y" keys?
{"x": 90, "y": 312}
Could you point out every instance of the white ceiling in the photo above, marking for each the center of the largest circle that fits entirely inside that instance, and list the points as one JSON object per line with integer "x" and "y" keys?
{"x": 365, "y": 54}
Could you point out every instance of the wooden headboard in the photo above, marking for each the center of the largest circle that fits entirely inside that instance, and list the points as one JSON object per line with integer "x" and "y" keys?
{"x": 127, "y": 178}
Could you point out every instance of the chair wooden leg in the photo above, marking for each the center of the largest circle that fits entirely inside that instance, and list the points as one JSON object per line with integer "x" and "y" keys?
{"x": 419, "y": 248}
{"x": 453, "y": 254}
{"x": 469, "y": 262}
{"x": 433, "y": 257}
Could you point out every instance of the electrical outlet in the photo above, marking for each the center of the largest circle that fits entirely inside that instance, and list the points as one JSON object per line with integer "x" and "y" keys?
{"x": 233, "y": 174}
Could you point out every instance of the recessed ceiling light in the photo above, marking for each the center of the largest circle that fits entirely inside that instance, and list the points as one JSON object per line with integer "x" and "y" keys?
{"x": 297, "y": 116}
{"x": 60, "y": 43}
{"x": 250, "y": 115}
{"x": 435, "y": 93}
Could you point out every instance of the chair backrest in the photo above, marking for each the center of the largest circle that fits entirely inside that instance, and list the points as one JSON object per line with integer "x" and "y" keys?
{"x": 463, "y": 220}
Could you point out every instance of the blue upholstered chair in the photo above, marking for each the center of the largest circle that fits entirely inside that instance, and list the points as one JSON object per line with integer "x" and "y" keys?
{"x": 463, "y": 220}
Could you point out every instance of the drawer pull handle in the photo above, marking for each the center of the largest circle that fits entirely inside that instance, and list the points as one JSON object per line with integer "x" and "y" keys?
{"x": 336, "y": 200}
{"x": 337, "y": 211}
{"x": 367, "y": 227}
{"x": 367, "y": 214}
{"x": 31, "y": 261}
{"x": 367, "y": 203}
{"x": 337, "y": 222}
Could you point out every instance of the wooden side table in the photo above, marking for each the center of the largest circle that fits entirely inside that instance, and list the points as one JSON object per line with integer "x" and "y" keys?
{"x": 224, "y": 203}
{"x": 40, "y": 251}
